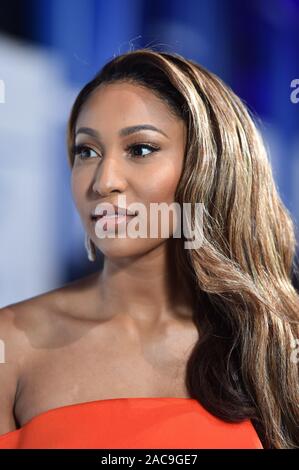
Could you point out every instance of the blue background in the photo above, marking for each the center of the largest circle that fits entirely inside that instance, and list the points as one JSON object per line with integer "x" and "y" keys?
{"x": 253, "y": 46}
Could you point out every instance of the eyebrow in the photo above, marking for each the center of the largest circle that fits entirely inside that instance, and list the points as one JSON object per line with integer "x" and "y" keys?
{"x": 123, "y": 132}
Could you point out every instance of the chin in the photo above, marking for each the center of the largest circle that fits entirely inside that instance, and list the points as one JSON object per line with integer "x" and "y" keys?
{"x": 127, "y": 247}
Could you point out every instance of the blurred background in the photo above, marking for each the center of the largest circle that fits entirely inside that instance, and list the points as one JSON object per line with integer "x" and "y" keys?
{"x": 50, "y": 48}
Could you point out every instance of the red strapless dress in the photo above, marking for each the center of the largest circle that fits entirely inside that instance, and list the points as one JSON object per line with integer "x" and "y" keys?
{"x": 131, "y": 423}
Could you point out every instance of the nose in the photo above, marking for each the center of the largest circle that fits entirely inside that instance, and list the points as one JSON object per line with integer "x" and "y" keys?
{"x": 109, "y": 177}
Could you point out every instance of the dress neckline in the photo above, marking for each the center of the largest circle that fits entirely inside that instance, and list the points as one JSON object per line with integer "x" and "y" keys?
{"x": 91, "y": 402}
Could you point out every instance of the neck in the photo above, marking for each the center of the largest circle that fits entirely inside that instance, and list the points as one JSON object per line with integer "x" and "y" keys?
{"x": 145, "y": 289}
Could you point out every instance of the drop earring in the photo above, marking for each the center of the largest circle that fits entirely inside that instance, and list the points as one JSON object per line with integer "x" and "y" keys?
{"x": 90, "y": 248}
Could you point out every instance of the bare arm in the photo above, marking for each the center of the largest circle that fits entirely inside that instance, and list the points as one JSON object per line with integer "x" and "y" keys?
{"x": 9, "y": 350}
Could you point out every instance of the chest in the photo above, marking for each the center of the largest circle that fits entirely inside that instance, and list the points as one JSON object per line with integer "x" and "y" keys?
{"x": 103, "y": 365}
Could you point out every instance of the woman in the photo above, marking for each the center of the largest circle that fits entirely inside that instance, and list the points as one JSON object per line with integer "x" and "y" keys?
{"x": 165, "y": 346}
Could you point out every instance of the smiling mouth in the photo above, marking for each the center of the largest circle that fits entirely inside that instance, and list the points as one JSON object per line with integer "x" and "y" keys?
{"x": 112, "y": 216}
{"x": 112, "y": 221}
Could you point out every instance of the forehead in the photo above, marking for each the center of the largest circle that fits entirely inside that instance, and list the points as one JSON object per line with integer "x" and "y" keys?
{"x": 124, "y": 104}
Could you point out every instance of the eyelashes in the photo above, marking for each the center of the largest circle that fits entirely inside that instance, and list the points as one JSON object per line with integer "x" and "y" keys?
{"x": 80, "y": 149}
{"x": 130, "y": 148}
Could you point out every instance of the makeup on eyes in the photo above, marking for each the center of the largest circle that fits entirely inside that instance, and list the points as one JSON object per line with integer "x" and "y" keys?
{"x": 150, "y": 147}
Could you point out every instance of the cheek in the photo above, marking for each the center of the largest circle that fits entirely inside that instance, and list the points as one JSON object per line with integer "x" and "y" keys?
{"x": 160, "y": 187}
{"x": 161, "y": 183}
{"x": 79, "y": 184}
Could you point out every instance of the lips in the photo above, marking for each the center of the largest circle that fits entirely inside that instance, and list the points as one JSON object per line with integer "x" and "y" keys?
{"x": 110, "y": 211}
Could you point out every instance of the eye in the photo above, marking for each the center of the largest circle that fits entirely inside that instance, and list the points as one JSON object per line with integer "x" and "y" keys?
{"x": 82, "y": 152}
{"x": 135, "y": 149}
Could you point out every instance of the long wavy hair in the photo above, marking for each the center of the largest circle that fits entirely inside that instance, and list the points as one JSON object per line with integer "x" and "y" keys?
{"x": 244, "y": 365}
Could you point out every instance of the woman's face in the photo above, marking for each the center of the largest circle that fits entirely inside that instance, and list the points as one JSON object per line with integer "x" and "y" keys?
{"x": 144, "y": 166}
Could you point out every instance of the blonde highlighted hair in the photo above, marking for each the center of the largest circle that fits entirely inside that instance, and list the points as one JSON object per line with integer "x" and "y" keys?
{"x": 247, "y": 309}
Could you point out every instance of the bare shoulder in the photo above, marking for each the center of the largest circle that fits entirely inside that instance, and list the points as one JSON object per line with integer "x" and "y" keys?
{"x": 29, "y": 327}
{"x": 31, "y": 321}
{"x": 20, "y": 324}
{"x": 12, "y": 346}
